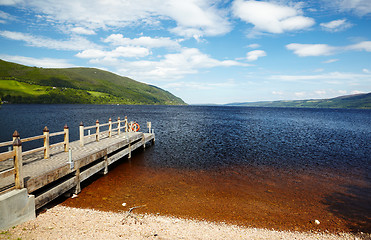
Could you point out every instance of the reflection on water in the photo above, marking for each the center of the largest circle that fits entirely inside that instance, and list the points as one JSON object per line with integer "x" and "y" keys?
{"x": 265, "y": 167}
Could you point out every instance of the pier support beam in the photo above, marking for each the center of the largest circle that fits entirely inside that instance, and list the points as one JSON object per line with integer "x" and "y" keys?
{"x": 129, "y": 156}
{"x": 105, "y": 171}
{"x": 78, "y": 182}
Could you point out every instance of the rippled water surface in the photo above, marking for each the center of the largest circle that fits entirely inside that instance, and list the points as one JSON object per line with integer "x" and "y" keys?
{"x": 207, "y": 137}
{"x": 251, "y": 158}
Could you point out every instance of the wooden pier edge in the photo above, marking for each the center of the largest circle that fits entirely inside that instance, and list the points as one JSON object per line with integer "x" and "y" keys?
{"x": 94, "y": 163}
{"x": 91, "y": 156}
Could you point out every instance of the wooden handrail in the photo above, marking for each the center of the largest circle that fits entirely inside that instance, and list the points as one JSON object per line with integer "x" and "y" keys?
{"x": 90, "y": 127}
{"x": 102, "y": 125}
{"x": 6, "y": 155}
{"x": 56, "y": 134}
{"x": 99, "y": 133}
{"x": 6, "y": 143}
{"x": 33, "y": 151}
{"x": 17, "y": 154}
{"x": 32, "y": 138}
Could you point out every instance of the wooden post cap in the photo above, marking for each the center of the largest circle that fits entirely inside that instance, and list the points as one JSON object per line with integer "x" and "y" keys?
{"x": 118, "y": 118}
{"x": 110, "y": 119}
{"x": 16, "y": 134}
{"x": 45, "y": 129}
{"x": 97, "y": 121}
{"x": 65, "y": 126}
{"x": 81, "y": 124}
{"x": 17, "y": 142}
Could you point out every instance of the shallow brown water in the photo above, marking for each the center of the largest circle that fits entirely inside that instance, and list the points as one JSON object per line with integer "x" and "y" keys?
{"x": 261, "y": 197}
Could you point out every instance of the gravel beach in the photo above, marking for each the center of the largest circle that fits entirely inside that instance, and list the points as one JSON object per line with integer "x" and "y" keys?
{"x": 62, "y": 222}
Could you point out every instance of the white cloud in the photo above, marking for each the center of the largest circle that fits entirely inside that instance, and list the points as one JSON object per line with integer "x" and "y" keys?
{"x": 305, "y": 50}
{"x": 331, "y": 61}
{"x": 333, "y": 76}
{"x": 200, "y": 85}
{"x": 10, "y": 2}
{"x": 4, "y": 17}
{"x": 270, "y": 17}
{"x": 192, "y": 16}
{"x": 74, "y": 43}
{"x": 170, "y": 67}
{"x": 254, "y": 45}
{"x": 357, "y": 92}
{"x": 361, "y": 46}
{"x": 320, "y": 92}
{"x": 38, "y": 62}
{"x": 278, "y": 93}
{"x": 128, "y": 52}
{"x": 360, "y": 7}
{"x": 84, "y": 31}
{"x": 196, "y": 15}
{"x": 336, "y": 25}
{"x": 366, "y": 70}
{"x": 118, "y": 39}
{"x": 300, "y": 94}
{"x": 254, "y": 55}
{"x": 92, "y": 53}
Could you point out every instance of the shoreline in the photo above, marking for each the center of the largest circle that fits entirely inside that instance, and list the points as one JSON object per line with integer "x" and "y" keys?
{"x": 61, "y": 222}
{"x": 250, "y": 197}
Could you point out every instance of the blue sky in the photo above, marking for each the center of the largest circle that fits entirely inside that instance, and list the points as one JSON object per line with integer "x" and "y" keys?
{"x": 204, "y": 51}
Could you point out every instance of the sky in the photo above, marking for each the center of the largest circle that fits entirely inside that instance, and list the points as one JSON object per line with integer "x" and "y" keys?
{"x": 203, "y": 51}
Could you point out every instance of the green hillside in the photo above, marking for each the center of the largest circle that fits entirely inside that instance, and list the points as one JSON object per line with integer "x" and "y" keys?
{"x": 359, "y": 101}
{"x": 22, "y": 84}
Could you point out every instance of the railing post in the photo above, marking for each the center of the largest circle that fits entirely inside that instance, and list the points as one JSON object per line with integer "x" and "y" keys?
{"x": 81, "y": 134}
{"x": 109, "y": 127}
{"x": 18, "y": 164}
{"x": 66, "y": 138}
{"x": 126, "y": 124}
{"x": 97, "y": 130}
{"x": 118, "y": 126}
{"x": 46, "y": 143}
{"x": 15, "y": 135}
{"x": 131, "y": 126}
{"x": 149, "y": 126}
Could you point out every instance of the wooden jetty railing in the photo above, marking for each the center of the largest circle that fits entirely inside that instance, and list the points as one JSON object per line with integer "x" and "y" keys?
{"x": 114, "y": 128}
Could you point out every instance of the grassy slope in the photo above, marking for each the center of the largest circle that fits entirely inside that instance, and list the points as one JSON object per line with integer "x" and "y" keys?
{"x": 20, "y": 92}
{"x": 361, "y": 101}
{"x": 96, "y": 85}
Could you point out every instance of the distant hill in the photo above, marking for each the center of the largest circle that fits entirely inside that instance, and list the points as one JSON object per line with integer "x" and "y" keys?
{"x": 22, "y": 84}
{"x": 360, "y": 101}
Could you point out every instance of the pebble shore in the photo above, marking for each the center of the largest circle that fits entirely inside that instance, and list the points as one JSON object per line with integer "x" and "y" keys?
{"x": 62, "y": 222}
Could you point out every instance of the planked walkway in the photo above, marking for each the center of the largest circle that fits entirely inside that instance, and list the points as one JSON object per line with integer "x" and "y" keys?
{"x": 93, "y": 157}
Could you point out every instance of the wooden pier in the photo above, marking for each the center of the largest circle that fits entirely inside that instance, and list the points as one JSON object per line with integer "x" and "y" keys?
{"x": 52, "y": 170}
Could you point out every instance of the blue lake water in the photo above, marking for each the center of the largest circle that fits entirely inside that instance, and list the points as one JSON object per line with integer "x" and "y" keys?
{"x": 215, "y": 136}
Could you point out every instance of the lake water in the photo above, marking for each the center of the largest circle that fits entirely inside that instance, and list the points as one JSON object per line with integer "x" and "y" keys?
{"x": 264, "y": 167}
